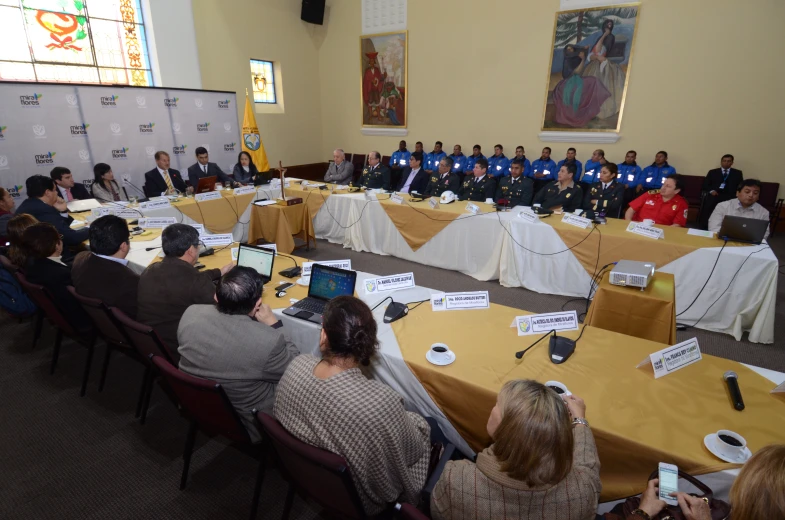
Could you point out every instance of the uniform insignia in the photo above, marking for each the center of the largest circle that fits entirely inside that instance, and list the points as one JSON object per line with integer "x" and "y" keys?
{"x": 568, "y": 195}
{"x": 674, "y": 207}
{"x": 685, "y": 213}
{"x": 605, "y": 204}
{"x": 653, "y": 192}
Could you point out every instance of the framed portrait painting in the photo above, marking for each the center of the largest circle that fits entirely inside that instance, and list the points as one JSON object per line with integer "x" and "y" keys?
{"x": 591, "y": 58}
{"x": 384, "y": 72}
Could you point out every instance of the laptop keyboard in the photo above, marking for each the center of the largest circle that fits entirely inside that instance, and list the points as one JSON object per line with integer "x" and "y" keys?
{"x": 311, "y": 305}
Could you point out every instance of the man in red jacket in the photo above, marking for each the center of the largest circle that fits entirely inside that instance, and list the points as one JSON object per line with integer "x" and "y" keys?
{"x": 664, "y": 206}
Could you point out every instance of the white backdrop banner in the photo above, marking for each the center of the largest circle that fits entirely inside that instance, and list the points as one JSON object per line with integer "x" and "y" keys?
{"x": 76, "y": 126}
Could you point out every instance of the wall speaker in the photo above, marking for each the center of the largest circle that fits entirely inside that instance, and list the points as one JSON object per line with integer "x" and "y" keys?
{"x": 313, "y": 11}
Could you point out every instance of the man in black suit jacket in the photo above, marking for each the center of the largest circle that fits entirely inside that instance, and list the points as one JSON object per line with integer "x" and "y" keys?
{"x": 42, "y": 197}
{"x": 719, "y": 185}
{"x": 204, "y": 168}
{"x": 413, "y": 177}
{"x": 103, "y": 271}
{"x": 155, "y": 179}
{"x": 66, "y": 186}
{"x": 376, "y": 176}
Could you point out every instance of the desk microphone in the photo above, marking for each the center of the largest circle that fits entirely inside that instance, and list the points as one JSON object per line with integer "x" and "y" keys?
{"x": 292, "y": 271}
{"x": 134, "y": 186}
{"x": 151, "y": 248}
{"x": 520, "y": 354}
{"x": 732, "y": 380}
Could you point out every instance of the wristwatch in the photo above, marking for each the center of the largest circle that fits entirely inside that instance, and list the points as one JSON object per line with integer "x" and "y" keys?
{"x": 641, "y": 513}
{"x": 580, "y": 420}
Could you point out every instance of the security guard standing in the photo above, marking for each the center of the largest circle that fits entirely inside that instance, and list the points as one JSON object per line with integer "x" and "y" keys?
{"x": 480, "y": 187}
{"x": 664, "y": 206}
{"x": 443, "y": 180}
{"x": 605, "y": 197}
{"x": 516, "y": 189}
{"x": 564, "y": 193}
{"x": 375, "y": 176}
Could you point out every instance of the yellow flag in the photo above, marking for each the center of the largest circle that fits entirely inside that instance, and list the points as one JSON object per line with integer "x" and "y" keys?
{"x": 252, "y": 141}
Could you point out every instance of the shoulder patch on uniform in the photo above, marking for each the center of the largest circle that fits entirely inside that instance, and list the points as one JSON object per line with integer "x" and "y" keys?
{"x": 653, "y": 192}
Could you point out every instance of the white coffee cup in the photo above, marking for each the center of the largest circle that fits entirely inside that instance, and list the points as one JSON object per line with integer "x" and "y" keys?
{"x": 440, "y": 353}
{"x": 489, "y": 200}
{"x": 729, "y": 450}
{"x": 536, "y": 205}
{"x": 648, "y": 222}
{"x": 559, "y": 388}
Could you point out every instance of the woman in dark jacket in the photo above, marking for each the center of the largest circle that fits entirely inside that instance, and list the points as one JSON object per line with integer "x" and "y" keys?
{"x": 245, "y": 170}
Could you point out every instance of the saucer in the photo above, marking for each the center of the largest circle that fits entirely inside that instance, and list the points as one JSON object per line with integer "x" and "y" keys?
{"x": 710, "y": 440}
{"x": 428, "y": 356}
{"x": 305, "y": 281}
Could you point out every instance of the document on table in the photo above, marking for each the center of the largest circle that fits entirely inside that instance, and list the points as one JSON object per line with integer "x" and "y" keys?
{"x": 264, "y": 203}
{"x": 700, "y": 233}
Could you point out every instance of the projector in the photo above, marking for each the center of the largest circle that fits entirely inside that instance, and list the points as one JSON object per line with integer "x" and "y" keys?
{"x": 629, "y": 273}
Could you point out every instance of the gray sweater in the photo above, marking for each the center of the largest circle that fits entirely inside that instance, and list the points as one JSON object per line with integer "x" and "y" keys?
{"x": 341, "y": 174}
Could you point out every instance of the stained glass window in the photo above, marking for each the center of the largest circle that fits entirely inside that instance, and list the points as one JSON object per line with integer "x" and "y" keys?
{"x": 263, "y": 79}
{"x": 74, "y": 41}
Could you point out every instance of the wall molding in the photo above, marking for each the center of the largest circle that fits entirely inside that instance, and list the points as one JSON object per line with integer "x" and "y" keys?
{"x": 579, "y": 137}
{"x": 395, "y": 132}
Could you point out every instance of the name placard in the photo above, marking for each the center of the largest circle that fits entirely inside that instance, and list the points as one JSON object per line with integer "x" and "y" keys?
{"x": 235, "y": 252}
{"x": 369, "y": 195}
{"x": 673, "y": 358}
{"x": 460, "y": 301}
{"x": 210, "y": 195}
{"x": 434, "y": 203}
{"x": 245, "y": 190}
{"x": 575, "y": 220}
{"x": 156, "y": 223}
{"x": 270, "y": 246}
{"x": 389, "y": 283}
{"x": 223, "y": 239}
{"x": 396, "y": 199}
{"x": 779, "y": 389}
{"x": 155, "y": 204}
{"x": 199, "y": 228}
{"x": 528, "y": 216}
{"x": 646, "y": 231}
{"x": 100, "y": 212}
{"x": 472, "y": 208}
{"x": 542, "y": 323}
{"x": 340, "y": 264}
{"x": 127, "y": 213}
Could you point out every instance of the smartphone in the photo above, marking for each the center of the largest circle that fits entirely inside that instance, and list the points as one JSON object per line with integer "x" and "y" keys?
{"x": 669, "y": 483}
{"x": 284, "y": 286}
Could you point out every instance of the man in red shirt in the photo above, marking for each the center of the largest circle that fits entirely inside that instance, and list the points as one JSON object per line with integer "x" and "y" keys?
{"x": 664, "y": 206}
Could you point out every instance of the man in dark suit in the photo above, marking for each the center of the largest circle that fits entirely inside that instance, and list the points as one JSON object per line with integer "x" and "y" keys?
{"x": 606, "y": 196}
{"x": 413, "y": 177}
{"x": 443, "y": 180}
{"x": 719, "y": 185}
{"x": 167, "y": 288}
{"x": 161, "y": 179}
{"x": 516, "y": 189}
{"x": 66, "y": 186}
{"x": 204, "y": 168}
{"x": 376, "y": 175}
{"x": 480, "y": 186}
{"x": 103, "y": 271}
{"x": 42, "y": 197}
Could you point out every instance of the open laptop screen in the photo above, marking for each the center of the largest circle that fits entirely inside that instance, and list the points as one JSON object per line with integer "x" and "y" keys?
{"x": 330, "y": 282}
{"x": 257, "y": 258}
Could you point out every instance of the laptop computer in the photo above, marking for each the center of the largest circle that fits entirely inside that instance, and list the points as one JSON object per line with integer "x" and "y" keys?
{"x": 75, "y": 206}
{"x": 262, "y": 178}
{"x": 326, "y": 283}
{"x": 258, "y": 258}
{"x": 205, "y": 184}
{"x": 741, "y": 229}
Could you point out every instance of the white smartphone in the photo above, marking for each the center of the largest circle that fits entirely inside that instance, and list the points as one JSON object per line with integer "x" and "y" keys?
{"x": 669, "y": 483}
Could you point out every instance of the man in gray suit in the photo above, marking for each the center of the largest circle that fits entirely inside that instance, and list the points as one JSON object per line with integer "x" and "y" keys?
{"x": 238, "y": 342}
{"x": 340, "y": 171}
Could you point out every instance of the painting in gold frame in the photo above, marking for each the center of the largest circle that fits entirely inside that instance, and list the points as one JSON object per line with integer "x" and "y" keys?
{"x": 384, "y": 74}
{"x": 589, "y": 71}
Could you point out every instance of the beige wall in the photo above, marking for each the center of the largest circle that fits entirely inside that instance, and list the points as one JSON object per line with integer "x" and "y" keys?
{"x": 229, "y": 33}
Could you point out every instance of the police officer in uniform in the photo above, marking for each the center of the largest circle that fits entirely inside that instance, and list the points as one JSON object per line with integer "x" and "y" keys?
{"x": 376, "y": 175}
{"x": 564, "y": 193}
{"x": 443, "y": 180}
{"x": 606, "y": 196}
{"x": 516, "y": 189}
{"x": 664, "y": 206}
{"x": 479, "y": 187}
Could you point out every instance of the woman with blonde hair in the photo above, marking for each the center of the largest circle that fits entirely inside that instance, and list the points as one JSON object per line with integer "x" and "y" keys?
{"x": 542, "y": 464}
{"x": 16, "y": 228}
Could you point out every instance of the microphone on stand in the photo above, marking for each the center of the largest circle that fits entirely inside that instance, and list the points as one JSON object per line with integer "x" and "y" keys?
{"x": 732, "y": 380}
{"x": 292, "y": 271}
{"x": 151, "y": 248}
{"x": 128, "y": 182}
{"x": 520, "y": 354}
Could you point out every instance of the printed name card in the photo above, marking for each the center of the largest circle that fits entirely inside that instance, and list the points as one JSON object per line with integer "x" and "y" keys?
{"x": 472, "y": 208}
{"x": 460, "y": 301}
{"x": 396, "y": 199}
{"x": 340, "y": 264}
{"x": 434, "y": 203}
{"x": 199, "y": 228}
{"x": 156, "y": 204}
{"x": 528, "y": 216}
{"x": 369, "y": 195}
{"x": 100, "y": 212}
{"x": 270, "y": 246}
{"x": 673, "y": 358}
{"x": 235, "y": 252}
{"x": 575, "y": 220}
{"x": 245, "y": 190}
{"x": 779, "y": 389}
{"x": 126, "y": 213}
{"x": 646, "y": 231}
{"x": 542, "y": 323}
{"x": 223, "y": 239}
{"x": 210, "y": 195}
{"x": 156, "y": 223}
{"x": 389, "y": 283}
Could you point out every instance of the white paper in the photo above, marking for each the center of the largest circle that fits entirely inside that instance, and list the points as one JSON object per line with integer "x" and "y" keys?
{"x": 396, "y": 199}
{"x": 528, "y": 216}
{"x": 156, "y": 223}
{"x": 700, "y": 233}
{"x": 460, "y": 301}
{"x": 389, "y": 283}
{"x": 542, "y": 323}
{"x": 210, "y": 195}
{"x": 274, "y": 247}
{"x": 646, "y": 231}
{"x": 340, "y": 264}
{"x": 370, "y": 195}
{"x": 673, "y": 358}
{"x": 223, "y": 239}
{"x": 575, "y": 220}
{"x": 245, "y": 190}
{"x": 472, "y": 208}
{"x": 155, "y": 204}
{"x": 779, "y": 389}
{"x": 265, "y": 203}
{"x": 199, "y": 228}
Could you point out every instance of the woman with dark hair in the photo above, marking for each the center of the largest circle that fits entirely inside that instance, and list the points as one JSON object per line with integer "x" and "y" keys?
{"x": 608, "y": 73}
{"x": 245, "y": 170}
{"x": 105, "y": 188}
{"x": 330, "y": 404}
{"x": 16, "y": 228}
{"x": 7, "y": 204}
{"x": 577, "y": 99}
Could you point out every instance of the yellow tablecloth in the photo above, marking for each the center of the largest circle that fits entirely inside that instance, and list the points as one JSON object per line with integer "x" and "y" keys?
{"x": 219, "y": 215}
{"x": 278, "y": 224}
{"x": 648, "y": 314}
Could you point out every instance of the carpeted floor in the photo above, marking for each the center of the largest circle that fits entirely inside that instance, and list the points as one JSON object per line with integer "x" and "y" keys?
{"x": 65, "y": 457}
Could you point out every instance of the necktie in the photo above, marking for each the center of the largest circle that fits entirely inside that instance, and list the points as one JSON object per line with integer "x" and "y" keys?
{"x": 168, "y": 180}
{"x": 204, "y": 167}
{"x": 68, "y": 194}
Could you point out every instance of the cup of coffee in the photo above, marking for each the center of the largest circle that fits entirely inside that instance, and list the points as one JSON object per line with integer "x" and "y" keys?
{"x": 648, "y": 222}
{"x": 559, "y": 388}
{"x": 730, "y": 444}
{"x": 440, "y": 353}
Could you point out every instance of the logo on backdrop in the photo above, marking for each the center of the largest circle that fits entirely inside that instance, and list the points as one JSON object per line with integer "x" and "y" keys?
{"x": 229, "y": 147}
{"x": 171, "y": 102}
{"x": 84, "y": 156}
{"x": 176, "y": 127}
{"x": 202, "y": 127}
{"x": 198, "y": 103}
{"x": 45, "y": 158}
{"x": 3, "y": 162}
{"x": 179, "y": 150}
{"x": 109, "y": 101}
{"x": 252, "y": 141}
{"x": 79, "y": 130}
{"x": 72, "y": 100}
{"x": 141, "y": 102}
{"x": 39, "y": 131}
{"x": 146, "y": 128}
{"x": 150, "y": 151}
{"x": 224, "y": 105}
{"x": 227, "y": 128}
{"x": 16, "y": 190}
{"x": 2, "y": 132}
{"x": 31, "y": 101}
{"x": 115, "y": 128}
{"x": 122, "y": 153}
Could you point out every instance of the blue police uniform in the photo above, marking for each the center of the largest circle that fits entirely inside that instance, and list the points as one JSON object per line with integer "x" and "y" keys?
{"x": 432, "y": 160}
{"x": 459, "y": 163}
{"x": 470, "y": 160}
{"x": 540, "y": 166}
{"x": 400, "y": 159}
{"x": 653, "y": 177}
{"x": 527, "y": 167}
{"x": 629, "y": 174}
{"x": 498, "y": 165}
{"x": 592, "y": 174}
{"x": 578, "y": 167}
